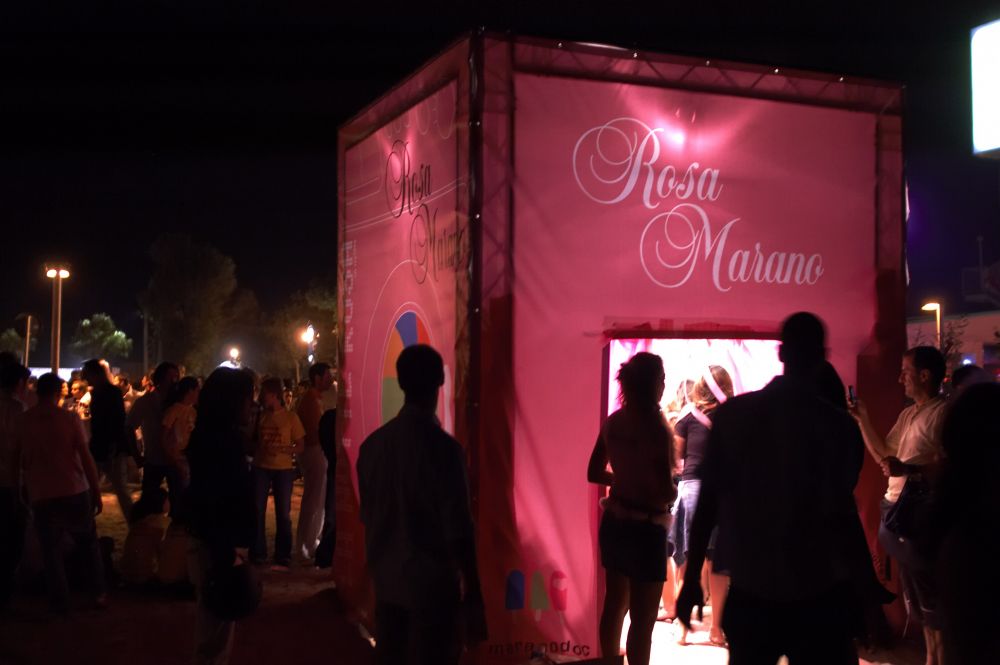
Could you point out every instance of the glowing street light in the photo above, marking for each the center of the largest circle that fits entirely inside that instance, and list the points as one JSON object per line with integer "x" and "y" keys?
{"x": 234, "y": 354}
{"x": 936, "y": 308}
{"x": 309, "y": 336}
{"x": 57, "y": 273}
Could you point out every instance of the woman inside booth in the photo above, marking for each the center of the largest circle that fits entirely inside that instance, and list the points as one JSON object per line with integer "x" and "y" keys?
{"x": 691, "y": 433}
{"x": 634, "y": 455}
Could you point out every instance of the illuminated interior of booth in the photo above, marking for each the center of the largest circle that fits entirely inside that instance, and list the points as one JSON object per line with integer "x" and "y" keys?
{"x": 750, "y": 363}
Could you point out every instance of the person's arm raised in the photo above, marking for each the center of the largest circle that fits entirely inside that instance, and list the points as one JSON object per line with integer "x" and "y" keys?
{"x": 875, "y": 444}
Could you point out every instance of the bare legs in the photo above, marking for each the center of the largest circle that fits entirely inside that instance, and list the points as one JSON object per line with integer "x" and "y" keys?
{"x": 641, "y": 600}
{"x": 616, "y": 599}
{"x": 719, "y": 588}
{"x": 643, "y": 603}
{"x": 669, "y": 593}
{"x": 684, "y": 632}
{"x": 932, "y": 641}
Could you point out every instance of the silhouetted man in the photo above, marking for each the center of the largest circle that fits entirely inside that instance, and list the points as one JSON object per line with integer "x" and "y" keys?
{"x": 418, "y": 526}
{"x": 778, "y": 480}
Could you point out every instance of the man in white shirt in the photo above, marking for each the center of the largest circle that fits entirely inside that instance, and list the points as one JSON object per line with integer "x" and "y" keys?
{"x": 912, "y": 448}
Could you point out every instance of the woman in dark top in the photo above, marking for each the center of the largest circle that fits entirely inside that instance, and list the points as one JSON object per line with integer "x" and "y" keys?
{"x": 691, "y": 438}
{"x": 107, "y": 430}
{"x": 636, "y": 442}
{"x": 219, "y": 504}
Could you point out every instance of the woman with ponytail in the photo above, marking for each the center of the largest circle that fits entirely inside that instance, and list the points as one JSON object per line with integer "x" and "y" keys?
{"x": 634, "y": 455}
{"x": 691, "y": 440}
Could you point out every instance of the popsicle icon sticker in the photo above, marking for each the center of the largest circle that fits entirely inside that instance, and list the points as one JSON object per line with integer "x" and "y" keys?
{"x": 539, "y": 595}
{"x": 559, "y": 593}
{"x": 514, "y": 596}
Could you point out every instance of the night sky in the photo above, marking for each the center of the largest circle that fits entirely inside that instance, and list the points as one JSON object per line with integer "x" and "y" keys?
{"x": 120, "y": 120}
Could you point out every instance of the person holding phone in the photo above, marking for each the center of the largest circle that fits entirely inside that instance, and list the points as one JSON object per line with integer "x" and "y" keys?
{"x": 912, "y": 450}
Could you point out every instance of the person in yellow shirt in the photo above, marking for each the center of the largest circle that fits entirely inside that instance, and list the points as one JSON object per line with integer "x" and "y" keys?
{"x": 280, "y": 435}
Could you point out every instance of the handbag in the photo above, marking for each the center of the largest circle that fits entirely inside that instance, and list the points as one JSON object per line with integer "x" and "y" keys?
{"x": 232, "y": 592}
{"x": 903, "y": 529}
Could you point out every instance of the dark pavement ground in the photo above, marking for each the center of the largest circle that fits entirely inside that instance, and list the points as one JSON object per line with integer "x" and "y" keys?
{"x": 300, "y": 620}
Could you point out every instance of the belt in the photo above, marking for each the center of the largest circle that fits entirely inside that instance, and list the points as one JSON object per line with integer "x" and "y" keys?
{"x": 616, "y": 509}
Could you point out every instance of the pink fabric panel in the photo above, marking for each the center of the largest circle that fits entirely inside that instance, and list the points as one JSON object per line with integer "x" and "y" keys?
{"x": 400, "y": 189}
{"x": 645, "y": 205}
{"x": 402, "y": 244}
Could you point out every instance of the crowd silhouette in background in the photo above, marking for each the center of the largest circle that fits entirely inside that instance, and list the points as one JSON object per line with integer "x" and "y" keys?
{"x": 220, "y": 447}
{"x": 746, "y": 497}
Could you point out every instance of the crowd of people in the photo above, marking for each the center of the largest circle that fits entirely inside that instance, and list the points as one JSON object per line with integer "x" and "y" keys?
{"x": 764, "y": 516}
{"x": 220, "y": 446}
{"x": 749, "y": 498}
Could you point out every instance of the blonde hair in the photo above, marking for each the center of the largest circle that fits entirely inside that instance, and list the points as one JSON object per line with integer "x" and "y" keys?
{"x": 703, "y": 397}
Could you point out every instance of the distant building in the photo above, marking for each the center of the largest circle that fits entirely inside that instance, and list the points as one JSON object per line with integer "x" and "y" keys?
{"x": 64, "y": 372}
{"x": 977, "y": 334}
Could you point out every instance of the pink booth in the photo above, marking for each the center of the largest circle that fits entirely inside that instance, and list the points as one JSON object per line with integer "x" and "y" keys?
{"x": 538, "y": 211}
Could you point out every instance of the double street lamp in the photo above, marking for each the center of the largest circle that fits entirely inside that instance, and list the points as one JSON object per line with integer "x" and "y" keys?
{"x": 57, "y": 273}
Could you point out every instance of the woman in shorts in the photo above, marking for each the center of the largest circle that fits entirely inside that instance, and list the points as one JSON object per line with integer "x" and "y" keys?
{"x": 634, "y": 455}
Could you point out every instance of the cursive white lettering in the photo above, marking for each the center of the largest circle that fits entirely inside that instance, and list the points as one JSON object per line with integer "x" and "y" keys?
{"x": 625, "y": 157}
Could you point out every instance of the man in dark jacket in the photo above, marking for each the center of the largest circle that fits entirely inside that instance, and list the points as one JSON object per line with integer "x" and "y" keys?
{"x": 107, "y": 430}
{"x": 778, "y": 482}
{"x": 419, "y": 534}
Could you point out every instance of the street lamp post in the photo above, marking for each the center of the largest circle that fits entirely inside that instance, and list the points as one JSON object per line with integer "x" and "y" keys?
{"x": 57, "y": 274}
{"x": 936, "y": 308}
{"x": 27, "y": 340}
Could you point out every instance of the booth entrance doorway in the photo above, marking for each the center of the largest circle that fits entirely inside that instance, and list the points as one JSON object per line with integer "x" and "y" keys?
{"x": 751, "y": 364}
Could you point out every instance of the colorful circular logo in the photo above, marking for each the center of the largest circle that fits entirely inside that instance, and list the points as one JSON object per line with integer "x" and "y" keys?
{"x": 409, "y": 329}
